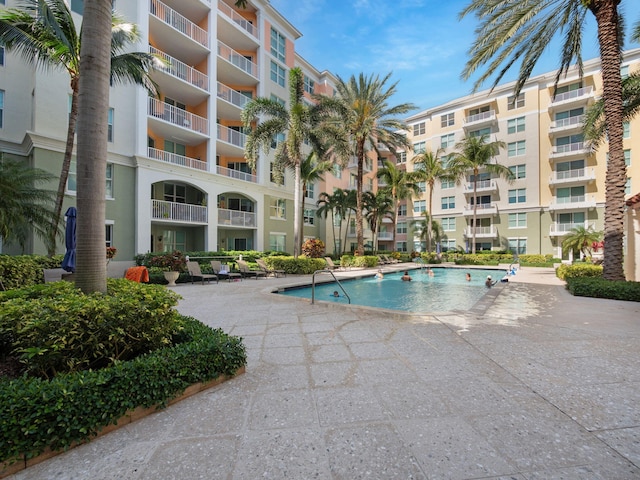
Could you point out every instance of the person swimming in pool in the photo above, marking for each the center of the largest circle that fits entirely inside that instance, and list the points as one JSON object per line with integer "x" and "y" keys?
{"x": 406, "y": 277}
{"x": 379, "y": 275}
{"x": 468, "y": 277}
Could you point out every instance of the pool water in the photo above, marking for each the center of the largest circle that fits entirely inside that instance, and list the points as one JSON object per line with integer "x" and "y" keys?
{"x": 446, "y": 290}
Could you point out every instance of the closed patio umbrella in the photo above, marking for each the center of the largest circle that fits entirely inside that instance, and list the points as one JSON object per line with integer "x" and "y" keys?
{"x": 69, "y": 261}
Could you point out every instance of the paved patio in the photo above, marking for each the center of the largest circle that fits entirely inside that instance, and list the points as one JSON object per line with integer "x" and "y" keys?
{"x": 530, "y": 384}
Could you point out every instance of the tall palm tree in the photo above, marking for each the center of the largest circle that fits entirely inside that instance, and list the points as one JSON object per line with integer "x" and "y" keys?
{"x": 399, "y": 185}
{"x": 44, "y": 34}
{"x": 431, "y": 231}
{"x": 328, "y": 205}
{"x": 23, "y": 204}
{"x": 473, "y": 155}
{"x": 378, "y": 206}
{"x": 367, "y": 119}
{"x": 347, "y": 204}
{"x": 430, "y": 168}
{"x": 580, "y": 240}
{"x": 311, "y": 170}
{"x": 514, "y": 30}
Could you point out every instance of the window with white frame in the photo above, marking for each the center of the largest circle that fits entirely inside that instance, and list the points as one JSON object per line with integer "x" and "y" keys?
{"x": 515, "y": 125}
{"x": 513, "y": 102}
{"x": 402, "y": 156}
{"x": 627, "y": 186}
{"x": 278, "y": 45}
{"x": 515, "y": 149}
{"x": 277, "y": 208}
{"x": 72, "y": 179}
{"x": 309, "y": 84}
{"x": 401, "y": 246}
{"x": 174, "y": 192}
{"x": 402, "y": 210}
{"x": 518, "y": 171}
{"x": 110, "y": 125}
{"x": 275, "y": 98}
{"x": 626, "y": 130}
{"x": 401, "y": 227}
{"x": 627, "y": 157}
{"x": 419, "y": 129}
{"x": 447, "y": 120}
{"x": 422, "y": 186}
{"x": 337, "y": 171}
{"x": 277, "y": 242}
{"x": 448, "y": 224}
{"x": 444, "y": 184}
{"x": 518, "y": 195}
{"x": 518, "y": 220}
{"x": 447, "y": 141}
{"x": 277, "y": 73}
{"x": 309, "y": 216}
{"x": 310, "y": 190}
{"x": 277, "y": 139}
{"x": 482, "y": 132}
{"x": 419, "y": 206}
{"x": 448, "y": 203}
{"x": 518, "y": 245}
{"x": 448, "y": 244}
{"x": 275, "y": 174}
{"x": 419, "y": 147}
{"x": 108, "y": 234}
{"x": 624, "y": 71}
{"x": 109, "y": 185}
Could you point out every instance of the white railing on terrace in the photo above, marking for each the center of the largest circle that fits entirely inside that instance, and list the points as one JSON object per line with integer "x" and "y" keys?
{"x": 176, "y": 159}
{"x": 225, "y": 134}
{"x": 580, "y": 92}
{"x": 177, "y": 116}
{"x": 490, "y": 230}
{"x": 568, "y": 148}
{"x": 181, "y": 212}
{"x": 237, "y": 59}
{"x": 236, "y": 218}
{"x": 567, "y": 122}
{"x": 384, "y": 236}
{"x": 232, "y": 96}
{"x": 480, "y": 116}
{"x": 570, "y": 199}
{"x": 575, "y": 174}
{"x": 181, "y": 70}
{"x": 237, "y": 174}
{"x": 563, "y": 228}
{"x": 177, "y": 21}
{"x": 238, "y": 19}
{"x": 480, "y": 185}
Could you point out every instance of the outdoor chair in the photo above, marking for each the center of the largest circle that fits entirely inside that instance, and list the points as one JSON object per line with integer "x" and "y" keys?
{"x": 195, "y": 272}
{"x": 269, "y": 271}
{"x": 223, "y": 272}
{"x": 247, "y": 272}
{"x": 330, "y": 264}
{"x": 389, "y": 259}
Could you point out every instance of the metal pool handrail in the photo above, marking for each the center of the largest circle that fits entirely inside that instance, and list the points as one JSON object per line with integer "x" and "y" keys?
{"x": 313, "y": 285}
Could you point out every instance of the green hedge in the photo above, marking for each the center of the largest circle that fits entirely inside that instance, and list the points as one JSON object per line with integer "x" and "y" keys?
{"x": 300, "y": 265}
{"x": 37, "y": 413}
{"x": 565, "y": 272}
{"x": 363, "y": 261}
{"x": 25, "y": 270}
{"x": 601, "y": 288}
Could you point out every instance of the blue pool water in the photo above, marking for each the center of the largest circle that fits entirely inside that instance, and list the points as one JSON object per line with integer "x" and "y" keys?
{"x": 446, "y": 290}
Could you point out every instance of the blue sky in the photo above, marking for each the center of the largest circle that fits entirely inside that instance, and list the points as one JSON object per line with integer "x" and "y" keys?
{"x": 421, "y": 41}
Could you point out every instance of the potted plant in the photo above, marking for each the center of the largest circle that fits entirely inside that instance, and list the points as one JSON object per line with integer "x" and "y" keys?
{"x": 171, "y": 263}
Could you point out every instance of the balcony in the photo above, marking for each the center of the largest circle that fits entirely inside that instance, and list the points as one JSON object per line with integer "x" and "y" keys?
{"x": 561, "y": 229}
{"x": 567, "y": 124}
{"x": 234, "y": 67}
{"x": 367, "y": 165}
{"x": 165, "y": 116}
{"x": 169, "y": 17}
{"x": 236, "y": 218}
{"x": 482, "y": 209}
{"x": 184, "y": 73}
{"x": 570, "y": 149}
{"x": 230, "y": 102}
{"x": 385, "y": 236}
{"x": 178, "y": 212}
{"x": 575, "y": 202}
{"x": 480, "y": 119}
{"x": 481, "y": 232}
{"x": 176, "y": 159}
{"x": 482, "y": 186}
{"x": 232, "y": 141}
{"x": 237, "y": 174}
{"x": 232, "y": 25}
{"x": 581, "y": 95}
{"x": 571, "y": 177}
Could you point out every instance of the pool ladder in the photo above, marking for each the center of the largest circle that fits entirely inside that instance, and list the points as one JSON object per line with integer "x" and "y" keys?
{"x": 313, "y": 285}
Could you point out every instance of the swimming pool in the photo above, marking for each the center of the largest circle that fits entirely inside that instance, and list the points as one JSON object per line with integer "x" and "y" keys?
{"x": 446, "y": 290}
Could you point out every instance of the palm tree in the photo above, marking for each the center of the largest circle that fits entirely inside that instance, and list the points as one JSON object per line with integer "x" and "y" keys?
{"x": 510, "y": 31}
{"x": 399, "y": 185}
{"x": 429, "y": 168}
{"x": 363, "y": 112}
{"x": 378, "y": 206}
{"x": 475, "y": 154}
{"x": 23, "y": 204}
{"x": 431, "y": 231}
{"x": 43, "y": 33}
{"x": 311, "y": 170}
{"x": 328, "y": 205}
{"x": 347, "y": 203}
{"x": 580, "y": 240}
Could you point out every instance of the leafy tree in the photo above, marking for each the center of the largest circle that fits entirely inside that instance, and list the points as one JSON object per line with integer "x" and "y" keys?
{"x": 430, "y": 231}
{"x": 520, "y": 30}
{"x": 378, "y": 206}
{"x": 23, "y": 204}
{"x": 347, "y": 204}
{"x": 473, "y": 155}
{"x": 43, "y": 33}
{"x": 581, "y": 239}
{"x": 311, "y": 170}
{"x": 328, "y": 205}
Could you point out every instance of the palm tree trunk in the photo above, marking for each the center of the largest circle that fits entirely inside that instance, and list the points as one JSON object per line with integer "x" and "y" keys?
{"x": 608, "y": 20}
{"x": 296, "y": 209}
{"x": 95, "y": 54}
{"x": 430, "y": 219}
{"x": 333, "y": 229}
{"x": 475, "y": 210}
{"x": 359, "y": 217}
{"x": 396, "y": 205}
{"x": 301, "y": 239}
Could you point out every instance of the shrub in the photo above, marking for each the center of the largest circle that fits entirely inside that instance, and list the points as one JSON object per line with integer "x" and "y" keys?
{"x": 18, "y": 271}
{"x": 313, "y": 248}
{"x": 364, "y": 261}
{"x": 169, "y": 262}
{"x": 564, "y": 272}
{"x": 299, "y": 266}
{"x": 600, "y": 288}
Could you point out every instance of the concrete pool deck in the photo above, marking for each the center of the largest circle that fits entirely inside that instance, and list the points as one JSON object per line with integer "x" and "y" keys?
{"x": 531, "y": 383}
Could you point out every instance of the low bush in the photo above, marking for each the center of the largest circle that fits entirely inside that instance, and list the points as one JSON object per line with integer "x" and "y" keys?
{"x": 18, "y": 271}
{"x": 530, "y": 260}
{"x": 361, "y": 261}
{"x": 601, "y": 288}
{"x": 313, "y": 248}
{"x": 295, "y": 266}
{"x": 565, "y": 272}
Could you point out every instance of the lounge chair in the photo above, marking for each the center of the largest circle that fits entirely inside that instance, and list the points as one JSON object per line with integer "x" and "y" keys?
{"x": 194, "y": 271}
{"x": 269, "y": 271}
{"x": 218, "y": 269}
{"x": 389, "y": 259}
{"x": 330, "y": 264}
{"x": 382, "y": 260}
{"x": 247, "y": 272}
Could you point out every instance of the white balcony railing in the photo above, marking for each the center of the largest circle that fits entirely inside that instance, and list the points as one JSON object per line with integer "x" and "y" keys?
{"x": 227, "y": 135}
{"x": 237, "y": 174}
{"x": 481, "y": 209}
{"x": 230, "y": 95}
{"x": 237, "y": 59}
{"x": 569, "y": 149}
{"x": 575, "y": 175}
{"x": 181, "y": 70}
{"x": 563, "y": 123}
{"x": 481, "y": 185}
{"x": 572, "y": 95}
{"x": 572, "y": 202}
{"x": 185, "y": 26}
{"x": 176, "y": 159}
{"x": 238, "y": 19}
{"x": 177, "y": 116}
{"x": 385, "y": 236}
{"x": 489, "y": 231}
{"x": 180, "y": 212}
{"x": 559, "y": 229}
{"x": 236, "y": 218}
{"x": 480, "y": 117}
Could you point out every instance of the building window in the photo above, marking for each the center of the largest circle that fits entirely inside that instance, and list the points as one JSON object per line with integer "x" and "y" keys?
{"x": 402, "y": 156}
{"x": 72, "y": 179}
{"x": 518, "y": 171}
{"x": 1, "y": 56}
{"x": 174, "y": 192}
{"x": 448, "y": 224}
{"x": 77, "y": 6}
{"x": 627, "y": 157}
{"x": 422, "y": 186}
{"x": 1, "y": 108}
{"x": 513, "y": 102}
{"x": 402, "y": 210}
{"x": 483, "y": 132}
{"x": 515, "y": 125}
{"x": 515, "y": 149}
{"x": 517, "y": 220}
{"x": 277, "y": 73}
{"x": 447, "y": 120}
{"x": 109, "y": 176}
{"x": 518, "y": 245}
{"x": 624, "y": 71}
{"x": 277, "y": 45}
{"x": 309, "y": 216}
{"x": 277, "y": 99}
{"x": 110, "y": 125}
{"x": 401, "y": 227}
{"x": 419, "y": 129}
{"x": 277, "y": 242}
{"x": 276, "y": 176}
{"x": 108, "y": 234}
{"x": 627, "y": 186}
{"x": 419, "y": 147}
{"x": 626, "y": 130}
{"x": 401, "y": 246}
{"x": 448, "y": 203}
{"x": 277, "y": 208}
{"x": 419, "y": 206}
{"x": 309, "y": 84}
{"x": 444, "y": 184}
{"x": 337, "y": 171}
{"x": 570, "y": 194}
{"x": 518, "y": 195}
{"x": 447, "y": 245}
{"x": 447, "y": 140}
{"x": 310, "y": 191}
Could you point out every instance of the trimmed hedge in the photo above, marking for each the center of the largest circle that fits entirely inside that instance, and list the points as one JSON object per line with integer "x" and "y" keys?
{"x": 601, "y": 288}
{"x": 291, "y": 265}
{"x": 25, "y": 270}
{"x": 565, "y": 272}
{"x": 70, "y": 408}
{"x": 363, "y": 261}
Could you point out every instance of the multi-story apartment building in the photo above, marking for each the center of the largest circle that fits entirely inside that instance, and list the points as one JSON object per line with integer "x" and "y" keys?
{"x": 176, "y": 174}
{"x": 559, "y": 182}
